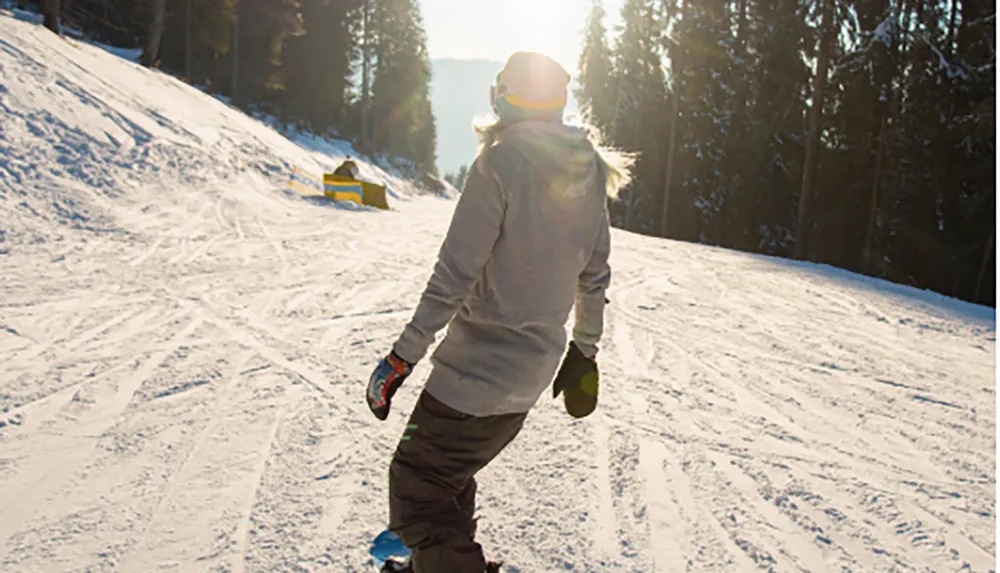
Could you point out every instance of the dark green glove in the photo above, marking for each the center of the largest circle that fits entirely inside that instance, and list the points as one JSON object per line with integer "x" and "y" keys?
{"x": 578, "y": 381}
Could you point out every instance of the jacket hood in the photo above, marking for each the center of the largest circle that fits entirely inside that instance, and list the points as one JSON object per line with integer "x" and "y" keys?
{"x": 563, "y": 154}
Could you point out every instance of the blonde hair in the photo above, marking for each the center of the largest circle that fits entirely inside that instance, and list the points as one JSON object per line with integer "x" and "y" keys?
{"x": 615, "y": 163}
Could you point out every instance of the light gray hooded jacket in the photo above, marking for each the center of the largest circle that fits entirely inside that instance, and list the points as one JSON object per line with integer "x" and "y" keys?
{"x": 529, "y": 238}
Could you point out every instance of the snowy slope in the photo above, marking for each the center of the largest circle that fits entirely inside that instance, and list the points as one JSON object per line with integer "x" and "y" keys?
{"x": 184, "y": 391}
{"x": 82, "y": 132}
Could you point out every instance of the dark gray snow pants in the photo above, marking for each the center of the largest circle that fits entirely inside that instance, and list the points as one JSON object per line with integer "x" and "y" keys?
{"x": 432, "y": 485}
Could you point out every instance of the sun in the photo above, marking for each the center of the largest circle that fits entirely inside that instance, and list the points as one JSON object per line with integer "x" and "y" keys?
{"x": 467, "y": 29}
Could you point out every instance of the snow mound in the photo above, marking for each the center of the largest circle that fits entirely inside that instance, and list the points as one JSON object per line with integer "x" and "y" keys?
{"x": 84, "y": 130}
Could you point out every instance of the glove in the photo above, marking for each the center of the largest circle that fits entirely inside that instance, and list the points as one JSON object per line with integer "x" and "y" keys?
{"x": 577, "y": 380}
{"x": 385, "y": 380}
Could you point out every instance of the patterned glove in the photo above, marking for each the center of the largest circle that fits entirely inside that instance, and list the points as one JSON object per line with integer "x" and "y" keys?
{"x": 385, "y": 380}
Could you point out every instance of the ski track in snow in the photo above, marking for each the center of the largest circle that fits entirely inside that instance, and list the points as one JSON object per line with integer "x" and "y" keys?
{"x": 185, "y": 349}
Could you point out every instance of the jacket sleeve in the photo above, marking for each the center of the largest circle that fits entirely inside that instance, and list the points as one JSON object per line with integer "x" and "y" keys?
{"x": 474, "y": 230}
{"x": 590, "y": 294}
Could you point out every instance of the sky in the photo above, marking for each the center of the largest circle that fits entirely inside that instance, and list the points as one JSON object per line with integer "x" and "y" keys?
{"x": 474, "y": 29}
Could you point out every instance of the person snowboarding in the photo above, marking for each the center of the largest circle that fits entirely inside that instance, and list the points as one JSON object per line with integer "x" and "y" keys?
{"x": 529, "y": 240}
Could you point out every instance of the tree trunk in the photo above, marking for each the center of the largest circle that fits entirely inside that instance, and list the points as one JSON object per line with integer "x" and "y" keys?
{"x": 615, "y": 136}
{"x": 734, "y": 141}
{"x": 50, "y": 15}
{"x": 187, "y": 43}
{"x": 629, "y": 207}
{"x": 236, "y": 55}
{"x": 376, "y": 135}
{"x": 671, "y": 153}
{"x": 66, "y": 14}
{"x": 365, "y": 79}
{"x": 873, "y": 208}
{"x": 951, "y": 29}
{"x": 675, "y": 112}
{"x": 986, "y": 259}
{"x": 896, "y": 179}
{"x": 812, "y": 138}
{"x": 155, "y": 34}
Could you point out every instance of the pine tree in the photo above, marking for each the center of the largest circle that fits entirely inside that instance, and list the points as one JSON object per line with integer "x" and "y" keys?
{"x": 401, "y": 112}
{"x": 51, "y": 15}
{"x": 211, "y": 25}
{"x": 943, "y": 212}
{"x": 970, "y": 209}
{"x": 770, "y": 167}
{"x": 463, "y": 174}
{"x": 262, "y": 28}
{"x": 734, "y": 221}
{"x": 676, "y": 51}
{"x": 319, "y": 62}
{"x": 860, "y": 100}
{"x": 595, "y": 91}
{"x": 702, "y": 53}
{"x": 458, "y": 178}
{"x": 896, "y": 150}
{"x": 155, "y": 34}
{"x": 637, "y": 124}
{"x": 827, "y": 33}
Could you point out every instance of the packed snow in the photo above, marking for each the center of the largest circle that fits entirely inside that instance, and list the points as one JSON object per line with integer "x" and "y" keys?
{"x": 185, "y": 345}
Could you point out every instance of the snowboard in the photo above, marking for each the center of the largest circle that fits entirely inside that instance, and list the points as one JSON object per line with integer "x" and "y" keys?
{"x": 385, "y": 546}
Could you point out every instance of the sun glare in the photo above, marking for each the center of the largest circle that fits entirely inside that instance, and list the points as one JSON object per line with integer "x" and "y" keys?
{"x": 471, "y": 29}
